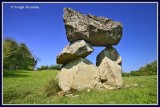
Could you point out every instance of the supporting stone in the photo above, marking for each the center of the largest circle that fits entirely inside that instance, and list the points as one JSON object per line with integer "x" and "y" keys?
{"x": 109, "y": 62}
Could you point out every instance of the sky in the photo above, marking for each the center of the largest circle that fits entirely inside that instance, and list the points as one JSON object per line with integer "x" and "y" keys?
{"x": 42, "y": 29}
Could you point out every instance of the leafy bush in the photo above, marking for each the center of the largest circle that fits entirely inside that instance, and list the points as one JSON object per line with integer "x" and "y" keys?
{"x": 43, "y": 67}
{"x": 135, "y": 73}
{"x": 125, "y": 74}
{"x": 149, "y": 69}
{"x": 52, "y": 67}
{"x": 56, "y": 67}
{"x": 52, "y": 87}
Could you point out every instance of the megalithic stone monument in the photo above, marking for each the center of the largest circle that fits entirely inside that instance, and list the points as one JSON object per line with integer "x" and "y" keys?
{"x": 83, "y": 32}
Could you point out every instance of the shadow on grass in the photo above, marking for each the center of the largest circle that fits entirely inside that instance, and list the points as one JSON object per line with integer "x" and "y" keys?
{"x": 14, "y": 74}
{"x": 10, "y": 95}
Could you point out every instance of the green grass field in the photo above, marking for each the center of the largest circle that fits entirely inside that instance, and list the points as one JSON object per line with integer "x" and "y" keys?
{"x": 27, "y": 87}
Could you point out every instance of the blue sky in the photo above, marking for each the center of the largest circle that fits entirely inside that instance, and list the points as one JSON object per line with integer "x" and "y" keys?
{"x": 44, "y": 33}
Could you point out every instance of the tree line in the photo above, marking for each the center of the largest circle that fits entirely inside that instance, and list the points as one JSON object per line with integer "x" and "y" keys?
{"x": 52, "y": 67}
{"x": 148, "y": 69}
{"x": 17, "y": 56}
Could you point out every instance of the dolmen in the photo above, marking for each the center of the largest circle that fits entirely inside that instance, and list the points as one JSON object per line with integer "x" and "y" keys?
{"x": 83, "y": 32}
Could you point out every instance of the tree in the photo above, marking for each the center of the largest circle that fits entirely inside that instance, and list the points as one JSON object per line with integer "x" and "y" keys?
{"x": 36, "y": 60}
{"x": 17, "y": 56}
{"x": 148, "y": 69}
{"x": 10, "y": 48}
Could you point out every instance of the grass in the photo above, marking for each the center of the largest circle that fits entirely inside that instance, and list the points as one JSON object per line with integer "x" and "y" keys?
{"x": 27, "y": 87}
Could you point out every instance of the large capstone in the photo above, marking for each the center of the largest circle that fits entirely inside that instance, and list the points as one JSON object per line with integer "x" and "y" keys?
{"x": 76, "y": 49}
{"x": 97, "y": 31}
{"x": 109, "y": 63}
{"x": 79, "y": 74}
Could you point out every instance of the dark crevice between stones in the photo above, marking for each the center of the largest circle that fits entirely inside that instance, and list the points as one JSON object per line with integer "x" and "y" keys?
{"x": 104, "y": 80}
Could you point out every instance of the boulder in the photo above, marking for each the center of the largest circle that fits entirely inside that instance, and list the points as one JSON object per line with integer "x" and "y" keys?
{"x": 97, "y": 31}
{"x": 79, "y": 74}
{"x": 109, "y": 63}
{"x": 76, "y": 49}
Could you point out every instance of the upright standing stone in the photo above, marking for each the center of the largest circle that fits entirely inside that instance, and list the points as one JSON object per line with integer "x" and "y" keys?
{"x": 109, "y": 63}
{"x": 79, "y": 74}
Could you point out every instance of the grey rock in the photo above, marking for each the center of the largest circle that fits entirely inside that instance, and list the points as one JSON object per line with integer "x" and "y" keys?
{"x": 97, "y": 31}
{"x": 76, "y": 49}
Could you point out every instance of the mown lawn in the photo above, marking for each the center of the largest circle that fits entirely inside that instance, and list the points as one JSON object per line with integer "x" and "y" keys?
{"x": 27, "y": 87}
